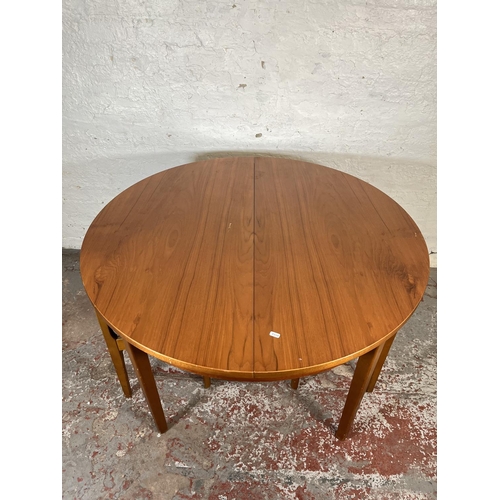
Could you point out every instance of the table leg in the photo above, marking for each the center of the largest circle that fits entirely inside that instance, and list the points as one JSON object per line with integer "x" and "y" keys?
{"x": 362, "y": 376}
{"x": 294, "y": 383}
{"x": 142, "y": 367}
{"x": 116, "y": 355}
{"x": 206, "y": 382}
{"x": 380, "y": 363}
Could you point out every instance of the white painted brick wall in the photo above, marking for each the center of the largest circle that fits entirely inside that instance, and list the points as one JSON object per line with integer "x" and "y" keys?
{"x": 148, "y": 85}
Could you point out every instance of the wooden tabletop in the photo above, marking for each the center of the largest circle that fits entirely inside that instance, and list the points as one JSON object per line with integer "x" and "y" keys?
{"x": 197, "y": 265}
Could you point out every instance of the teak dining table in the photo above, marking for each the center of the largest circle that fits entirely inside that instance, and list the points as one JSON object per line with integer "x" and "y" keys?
{"x": 253, "y": 269}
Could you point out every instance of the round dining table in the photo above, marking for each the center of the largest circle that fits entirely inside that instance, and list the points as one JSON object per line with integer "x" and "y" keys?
{"x": 253, "y": 269}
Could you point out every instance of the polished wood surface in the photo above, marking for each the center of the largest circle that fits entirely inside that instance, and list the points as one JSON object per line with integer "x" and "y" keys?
{"x": 169, "y": 264}
{"x": 198, "y": 264}
{"x": 339, "y": 267}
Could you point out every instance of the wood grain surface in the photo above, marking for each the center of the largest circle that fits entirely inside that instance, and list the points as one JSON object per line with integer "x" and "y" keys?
{"x": 198, "y": 264}
{"x": 169, "y": 264}
{"x": 339, "y": 266}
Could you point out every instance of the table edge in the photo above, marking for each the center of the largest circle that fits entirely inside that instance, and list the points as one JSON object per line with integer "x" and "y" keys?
{"x": 259, "y": 375}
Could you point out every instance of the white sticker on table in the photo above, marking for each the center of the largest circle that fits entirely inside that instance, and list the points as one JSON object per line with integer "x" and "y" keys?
{"x": 276, "y": 335}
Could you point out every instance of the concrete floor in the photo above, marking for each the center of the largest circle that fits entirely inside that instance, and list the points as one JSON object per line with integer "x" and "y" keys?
{"x": 245, "y": 440}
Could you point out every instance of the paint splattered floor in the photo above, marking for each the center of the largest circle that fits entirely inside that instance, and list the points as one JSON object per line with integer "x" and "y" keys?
{"x": 246, "y": 440}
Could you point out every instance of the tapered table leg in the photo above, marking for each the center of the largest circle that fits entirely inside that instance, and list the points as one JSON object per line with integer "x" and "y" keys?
{"x": 142, "y": 367}
{"x": 294, "y": 383}
{"x": 362, "y": 376}
{"x": 116, "y": 355}
{"x": 380, "y": 363}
